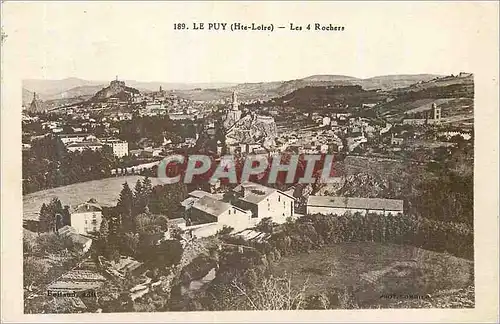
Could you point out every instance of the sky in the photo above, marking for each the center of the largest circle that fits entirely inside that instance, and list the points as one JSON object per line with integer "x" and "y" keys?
{"x": 137, "y": 41}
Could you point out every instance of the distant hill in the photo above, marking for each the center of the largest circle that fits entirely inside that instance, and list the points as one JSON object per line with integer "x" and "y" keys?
{"x": 268, "y": 90}
{"x": 80, "y": 91}
{"x": 388, "y": 82}
{"x": 52, "y": 87}
{"x": 66, "y": 88}
{"x": 329, "y": 78}
{"x": 312, "y": 98}
{"x": 74, "y": 87}
{"x": 154, "y": 86}
{"x": 454, "y": 94}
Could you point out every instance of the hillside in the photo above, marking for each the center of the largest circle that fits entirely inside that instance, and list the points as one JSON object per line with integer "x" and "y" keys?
{"x": 106, "y": 191}
{"x": 327, "y": 97}
{"x": 454, "y": 94}
{"x": 80, "y": 91}
{"x": 66, "y": 88}
{"x": 268, "y": 90}
{"x": 374, "y": 270}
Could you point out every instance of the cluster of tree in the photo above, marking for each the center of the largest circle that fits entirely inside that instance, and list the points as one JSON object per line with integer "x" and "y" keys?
{"x": 53, "y": 216}
{"x": 314, "y": 231}
{"x": 131, "y": 229}
{"x": 48, "y": 165}
{"x": 445, "y": 190}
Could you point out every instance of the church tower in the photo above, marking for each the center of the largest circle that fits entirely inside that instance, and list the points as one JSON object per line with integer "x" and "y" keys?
{"x": 35, "y": 105}
{"x": 235, "y": 101}
{"x": 436, "y": 111}
{"x": 234, "y": 114}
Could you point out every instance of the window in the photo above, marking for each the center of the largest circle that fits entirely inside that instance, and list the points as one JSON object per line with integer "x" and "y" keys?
{"x": 279, "y": 198}
{"x": 230, "y": 212}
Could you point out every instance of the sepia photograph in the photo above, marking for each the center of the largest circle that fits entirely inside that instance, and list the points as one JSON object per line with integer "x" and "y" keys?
{"x": 208, "y": 162}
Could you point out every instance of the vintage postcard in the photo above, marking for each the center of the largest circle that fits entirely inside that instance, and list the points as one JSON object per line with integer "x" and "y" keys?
{"x": 249, "y": 161}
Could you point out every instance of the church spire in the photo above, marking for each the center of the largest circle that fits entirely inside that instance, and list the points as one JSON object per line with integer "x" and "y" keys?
{"x": 235, "y": 101}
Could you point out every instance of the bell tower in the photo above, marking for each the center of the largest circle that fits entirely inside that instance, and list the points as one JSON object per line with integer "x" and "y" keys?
{"x": 234, "y": 114}
{"x": 436, "y": 111}
{"x": 235, "y": 101}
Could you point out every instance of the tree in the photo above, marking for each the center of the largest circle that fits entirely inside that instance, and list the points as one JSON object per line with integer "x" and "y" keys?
{"x": 142, "y": 193}
{"x": 104, "y": 229}
{"x": 45, "y": 219}
{"x": 265, "y": 225}
{"x": 130, "y": 244}
{"x": 165, "y": 199}
{"x": 125, "y": 207}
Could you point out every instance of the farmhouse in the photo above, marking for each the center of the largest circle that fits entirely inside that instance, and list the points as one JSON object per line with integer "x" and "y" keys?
{"x": 340, "y": 205}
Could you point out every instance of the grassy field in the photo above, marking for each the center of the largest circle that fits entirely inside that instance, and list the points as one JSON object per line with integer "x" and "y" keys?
{"x": 373, "y": 269}
{"x": 105, "y": 191}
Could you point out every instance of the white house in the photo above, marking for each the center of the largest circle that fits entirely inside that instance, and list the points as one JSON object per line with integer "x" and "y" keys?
{"x": 241, "y": 208}
{"x": 209, "y": 210}
{"x": 263, "y": 202}
{"x": 120, "y": 148}
{"x": 87, "y": 217}
{"x": 327, "y": 205}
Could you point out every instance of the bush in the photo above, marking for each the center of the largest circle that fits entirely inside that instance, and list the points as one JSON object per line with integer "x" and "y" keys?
{"x": 225, "y": 230}
{"x": 53, "y": 243}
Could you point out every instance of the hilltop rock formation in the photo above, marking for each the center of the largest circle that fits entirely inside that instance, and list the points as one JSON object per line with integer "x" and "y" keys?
{"x": 116, "y": 89}
{"x": 253, "y": 129}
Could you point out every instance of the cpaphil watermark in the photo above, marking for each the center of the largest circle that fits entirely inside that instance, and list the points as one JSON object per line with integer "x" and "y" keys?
{"x": 286, "y": 168}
